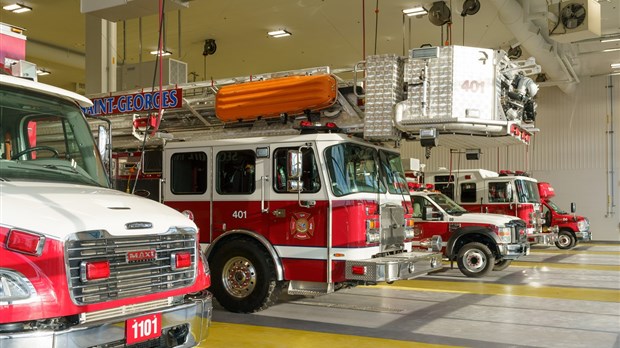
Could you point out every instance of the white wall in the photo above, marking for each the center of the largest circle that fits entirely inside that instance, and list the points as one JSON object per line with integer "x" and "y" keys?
{"x": 572, "y": 151}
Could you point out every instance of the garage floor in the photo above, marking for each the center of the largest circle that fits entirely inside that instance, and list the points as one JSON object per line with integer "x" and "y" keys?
{"x": 551, "y": 298}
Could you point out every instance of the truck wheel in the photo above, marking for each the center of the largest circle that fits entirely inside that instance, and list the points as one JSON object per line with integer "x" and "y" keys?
{"x": 475, "y": 260}
{"x": 566, "y": 240}
{"x": 501, "y": 265}
{"x": 243, "y": 277}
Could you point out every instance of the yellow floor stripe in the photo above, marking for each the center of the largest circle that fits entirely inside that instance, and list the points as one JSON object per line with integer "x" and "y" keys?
{"x": 584, "y": 266}
{"x": 539, "y": 265}
{"x": 228, "y": 335}
{"x": 574, "y": 252}
{"x": 602, "y": 295}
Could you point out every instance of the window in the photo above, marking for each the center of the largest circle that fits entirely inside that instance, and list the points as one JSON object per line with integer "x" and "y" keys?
{"x": 188, "y": 173}
{"x": 392, "y": 167}
{"x": 310, "y": 179}
{"x": 446, "y": 189}
{"x": 468, "y": 193}
{"x": 235, "y": 172}
{"x": 500, "y": 192}
{"x": 353, "y": 168}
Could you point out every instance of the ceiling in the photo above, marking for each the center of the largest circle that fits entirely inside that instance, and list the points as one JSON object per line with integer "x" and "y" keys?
{"x": 337, "y": 33}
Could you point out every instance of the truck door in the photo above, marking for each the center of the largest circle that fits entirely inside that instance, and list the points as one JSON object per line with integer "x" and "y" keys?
{"x": 240, "y": 192}
{"x": 298, "y": 214}
{"x": 429, "y": 219}
{"x": 188, "y": 184}
{"x": 500, "y": 197}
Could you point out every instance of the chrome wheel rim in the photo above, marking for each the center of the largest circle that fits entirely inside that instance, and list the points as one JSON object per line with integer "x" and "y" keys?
{"x": 564, "y": 240}
{"x": 475, "y": 260}
{"x": 239, "y": 277}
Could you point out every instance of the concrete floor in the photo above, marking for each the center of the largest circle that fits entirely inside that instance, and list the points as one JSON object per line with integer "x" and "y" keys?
{"x": 550, "y": 298}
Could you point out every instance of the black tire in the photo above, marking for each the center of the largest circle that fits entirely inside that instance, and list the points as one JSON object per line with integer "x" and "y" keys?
{"x": 243, "y": 277}
{"x": 475, "y": 260}
{"x": 501, "y": 265}
{"x": 566, "y": 240}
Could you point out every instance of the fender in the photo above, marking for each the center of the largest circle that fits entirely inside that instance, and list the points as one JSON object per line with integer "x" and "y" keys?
{"x": 261, "y": 239}
{"x": 468, "y": 230}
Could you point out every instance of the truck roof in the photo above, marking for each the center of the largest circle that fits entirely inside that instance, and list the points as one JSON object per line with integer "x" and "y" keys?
{"x": 45, "y": 88}
{"x": 265, "y": 140}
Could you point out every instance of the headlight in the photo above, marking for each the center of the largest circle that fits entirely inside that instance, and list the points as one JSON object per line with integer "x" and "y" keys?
{"x": 14, "y": 286}
{"x": 583, "y": 225}
{"x": 504, "y": 234}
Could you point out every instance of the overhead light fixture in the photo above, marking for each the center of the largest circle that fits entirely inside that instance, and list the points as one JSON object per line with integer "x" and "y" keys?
{"x": 615, "y": 65}
{"x": 610, "y": 40}
{"x": 415, "y": 11}
{"x": 612, "y": 49}
{"x": 43, "y": 72}
{"x": 161, "y": 53}
{"x": 17, "y": 8}
{"x": 279, "y": 33}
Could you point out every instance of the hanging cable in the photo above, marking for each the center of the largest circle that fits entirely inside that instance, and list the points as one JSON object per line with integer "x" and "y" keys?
{"x": 158, "y": 68}
{"x": 376, "y": 24}
{"x": 363, "y": 29}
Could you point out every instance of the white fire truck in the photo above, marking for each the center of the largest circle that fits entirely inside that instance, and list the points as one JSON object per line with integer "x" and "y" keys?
{"x": 485, "y": 191}
{"x": 81, "y": 264}
{"x": 478, "y": 242}
{"x": 294, "y": 178}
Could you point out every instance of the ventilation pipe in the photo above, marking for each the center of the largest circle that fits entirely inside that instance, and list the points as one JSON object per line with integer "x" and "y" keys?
{"x": 528, "y": 34}
{"x": 55, "y": 54}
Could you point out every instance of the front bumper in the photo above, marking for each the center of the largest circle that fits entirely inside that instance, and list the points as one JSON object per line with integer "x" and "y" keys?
{"x": 184, "y": 325}
{"x": 513, "y": 251}
{"x": 585, "y": 236}
{"x": 548, "y": 238}
{"x": 393, "y": 267}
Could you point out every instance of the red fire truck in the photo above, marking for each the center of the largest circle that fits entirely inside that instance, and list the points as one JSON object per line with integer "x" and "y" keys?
{"x": 294, "y": 178}
{"x": 81, "y": 264}
{"x": 572, "y": 227}
{"x": 478, "y": 242}
{"x": 485, "y": 191}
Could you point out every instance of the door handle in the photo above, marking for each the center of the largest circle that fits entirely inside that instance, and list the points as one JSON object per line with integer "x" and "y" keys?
{"x": 280, "y": 213}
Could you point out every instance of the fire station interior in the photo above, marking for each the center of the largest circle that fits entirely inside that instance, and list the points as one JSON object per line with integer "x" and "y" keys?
{"x": 556, "y": 292}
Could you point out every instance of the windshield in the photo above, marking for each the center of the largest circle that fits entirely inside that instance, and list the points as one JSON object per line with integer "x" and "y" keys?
{"x": 353, "y": 168}
{"x": 447, "y": 204}
{"x": 527, "y": 191}
{"x": 46, "y": 139}
{"x": 556, "y": 208}
{"x": 392, "y": 170}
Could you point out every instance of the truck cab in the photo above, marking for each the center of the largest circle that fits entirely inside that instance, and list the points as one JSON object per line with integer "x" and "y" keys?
{"x": 485, "y": 191}
{"x": 571, "y": 227}
{"x": 81, "y": 264}
{"x": 478, "y": 242}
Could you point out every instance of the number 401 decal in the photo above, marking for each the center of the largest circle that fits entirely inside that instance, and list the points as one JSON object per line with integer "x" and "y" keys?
{"x": 473, "y": 86}
{"x": 240, "y": 214}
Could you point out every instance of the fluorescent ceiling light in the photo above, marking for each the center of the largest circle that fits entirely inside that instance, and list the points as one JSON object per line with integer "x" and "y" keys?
{"x": 611, "y": 50}
{"x": 615, "y": 65}
{"x": 162, "y": 53}
{"x": 610, "y": 40}
{"x": 279, "y": 33}
{"x": 415, "y": 11}
{"x": 17, "y": 8}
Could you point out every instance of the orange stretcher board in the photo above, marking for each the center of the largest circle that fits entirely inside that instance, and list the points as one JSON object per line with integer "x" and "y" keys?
{"x": 271, "y": 98}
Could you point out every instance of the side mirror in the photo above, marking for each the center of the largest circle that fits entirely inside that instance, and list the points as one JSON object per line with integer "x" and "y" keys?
{"x": 294, "y": 164}
{"x": 433, "y": 215}
{"x": 102, "y": 141}
{"x": 573, "y": 207}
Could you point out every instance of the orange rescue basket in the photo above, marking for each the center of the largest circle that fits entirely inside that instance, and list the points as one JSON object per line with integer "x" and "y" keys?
{"x": 270, "y": 98}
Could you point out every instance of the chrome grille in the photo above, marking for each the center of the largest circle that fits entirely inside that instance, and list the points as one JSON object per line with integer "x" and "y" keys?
{"x": 519, "y": 231}
{"x": 392, "y": 227}
{"x": 128, "y": 279}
